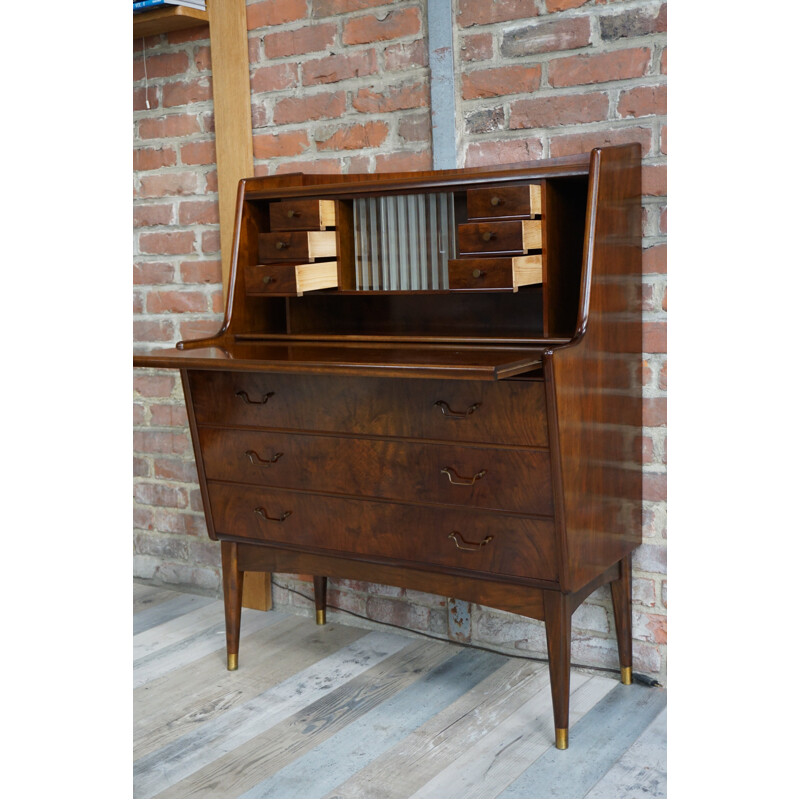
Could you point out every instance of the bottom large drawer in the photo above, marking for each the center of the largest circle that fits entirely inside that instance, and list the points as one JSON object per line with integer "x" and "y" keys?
{"x": 426, "y": 535}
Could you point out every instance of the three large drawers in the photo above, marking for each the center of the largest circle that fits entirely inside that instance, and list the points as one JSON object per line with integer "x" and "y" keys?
{"x": 451, "y": 474}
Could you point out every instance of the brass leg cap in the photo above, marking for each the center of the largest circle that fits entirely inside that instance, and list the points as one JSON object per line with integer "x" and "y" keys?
{"x": 627, "y": 675}
{"x": 562, "y": 739}
{"x": 320, "y": 616}
{"x": 233, "y": 661}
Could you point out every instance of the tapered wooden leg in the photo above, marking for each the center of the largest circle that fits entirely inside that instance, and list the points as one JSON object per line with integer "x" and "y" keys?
{"x": 232, "y": 585}
{"x": 320, "y": 590}
{"x": 558, "y": 627}
{"x": 621, "y": 599}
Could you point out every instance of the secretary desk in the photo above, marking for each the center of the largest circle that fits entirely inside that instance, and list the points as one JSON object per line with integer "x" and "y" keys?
{"x": 431, "y": 380}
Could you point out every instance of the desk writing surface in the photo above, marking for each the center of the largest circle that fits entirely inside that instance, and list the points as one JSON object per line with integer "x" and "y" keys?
{"x": 439, "y": 361}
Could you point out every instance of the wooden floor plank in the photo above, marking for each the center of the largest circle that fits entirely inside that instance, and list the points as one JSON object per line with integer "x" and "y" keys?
{"x": 596, "y": 743}
{"x": 642, "y": 770}
{"x": 169, "y": 609}
{"x": 175, "y": 630}
{"x": 504, "y": 753}
{"x": 146, "y": 596}
{"x": 404, "y": 768}
{"x": 183, "y": 700}
{"x": 190, "y": 753}
{"x": 310, "y": 713}
{"x": 239, "y": 770}
{"x": 184, "y": 651}
{"x": 355, "y": 746}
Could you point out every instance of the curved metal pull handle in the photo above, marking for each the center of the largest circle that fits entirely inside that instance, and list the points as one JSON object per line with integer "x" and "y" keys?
{"x": 448, "y": 412}
{"x": 256, "y": 459}
{"x": 460, "y": 481}
{"x": 245, "y": 398}
{"x": 455, "y": 536}
{"x": 281, "y": 245}
{"x": 262, "y": 512}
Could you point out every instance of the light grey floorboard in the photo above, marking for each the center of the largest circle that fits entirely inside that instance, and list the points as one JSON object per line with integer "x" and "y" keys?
{"x": 503, "y": 754}
{"x": 195, "y": 642}
{"x": 340, "y": 711}
{"x": 171, "y": 608}
{"x": 238, "y": 770}
{"x": 188, "y": 754}
{"x": 596, "y": 743}
{"x": 145, "y": 596}
{"x": 182, "y": 700}
{"x": 323, "y": 768}
{"x": 641, "y": 771}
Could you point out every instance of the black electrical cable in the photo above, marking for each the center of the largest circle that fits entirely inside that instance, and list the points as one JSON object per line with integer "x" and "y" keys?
{"x": 644, "y": 680}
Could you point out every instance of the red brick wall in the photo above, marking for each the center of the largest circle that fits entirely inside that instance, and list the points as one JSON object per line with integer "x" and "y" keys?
{"x": 343, "y": 86}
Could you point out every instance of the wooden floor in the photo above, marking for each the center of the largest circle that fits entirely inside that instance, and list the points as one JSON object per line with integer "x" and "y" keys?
{"x": 342, "y": 711}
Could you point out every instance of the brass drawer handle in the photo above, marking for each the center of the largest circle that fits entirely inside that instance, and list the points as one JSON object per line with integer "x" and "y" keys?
{"x": 448, "y": 412}
{"x": 262, "y": 512}
{"x": 268, "y": 279}
{"x": 460, "y": 481}
{"x": 245, "y": 398}
{"x": 488, "y": 236}
{"x": 256, "y": 459}
{"x": 496, "y": 201}
{"x": 455, "y": 536}
{"x": 478, "y": 273}
{"x": 292, "y": 213}
{"x": 281, "y": 245}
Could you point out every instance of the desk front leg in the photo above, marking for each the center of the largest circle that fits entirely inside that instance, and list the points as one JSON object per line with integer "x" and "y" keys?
{"x": 232, "y": 586}
{"x": 558, "y": 628}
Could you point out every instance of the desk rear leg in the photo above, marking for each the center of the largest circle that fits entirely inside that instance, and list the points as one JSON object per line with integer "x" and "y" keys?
{"x": 320, "y": 597}
{"x": 621, "y": 597}
{"x": 232, "y": 586}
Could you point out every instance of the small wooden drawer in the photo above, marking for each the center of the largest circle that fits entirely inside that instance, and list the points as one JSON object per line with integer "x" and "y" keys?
{"x": 508, "y": 479}
{"x": 296, "y": 245}
{"x": 498, "y": 274}
{"x": 521, "y": 202}
{"x": 509, "y": 237}
{"x": 302, "y": 215}
{"x": 290, "y": 279}
{"x": 450, "y": 538}
{"x": 501, "y": 412}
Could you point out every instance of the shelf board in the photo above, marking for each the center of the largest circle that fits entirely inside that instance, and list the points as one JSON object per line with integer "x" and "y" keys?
{"x": 163, "y": 20}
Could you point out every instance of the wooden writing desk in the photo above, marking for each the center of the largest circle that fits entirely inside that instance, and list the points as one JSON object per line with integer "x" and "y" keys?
{"x": 431, "y": 380}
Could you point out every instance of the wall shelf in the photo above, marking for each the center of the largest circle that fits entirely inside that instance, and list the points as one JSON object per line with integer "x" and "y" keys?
{"x": 163, "y": 20}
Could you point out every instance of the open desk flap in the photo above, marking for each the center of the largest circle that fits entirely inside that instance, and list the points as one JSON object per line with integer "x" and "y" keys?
{"x": 390, "y": 360}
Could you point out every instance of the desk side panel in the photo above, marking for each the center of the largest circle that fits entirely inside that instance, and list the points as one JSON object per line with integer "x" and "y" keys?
{"x": 597, "y": 380}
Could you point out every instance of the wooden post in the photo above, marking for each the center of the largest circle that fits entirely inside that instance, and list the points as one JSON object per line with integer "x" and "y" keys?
{"x": 230, "y": 68}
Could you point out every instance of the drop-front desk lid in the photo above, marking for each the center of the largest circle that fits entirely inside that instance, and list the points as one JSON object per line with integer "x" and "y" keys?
{"x": 362, "y": 358}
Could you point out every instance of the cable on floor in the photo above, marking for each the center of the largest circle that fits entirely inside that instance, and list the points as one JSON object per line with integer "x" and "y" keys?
{"x": 644, "y": 680}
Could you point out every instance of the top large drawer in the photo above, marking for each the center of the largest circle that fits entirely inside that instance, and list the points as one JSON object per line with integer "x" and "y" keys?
{"x": 503, "y": 412}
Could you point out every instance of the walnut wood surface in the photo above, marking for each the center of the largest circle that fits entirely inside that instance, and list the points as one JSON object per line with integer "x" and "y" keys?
{"x": 301, "y": 215}
{"x": 511, "y": 479}
{"x": 504, "y": 202}
{"x": 597, "y": 379}
{"x": 502, "y": 237}
{"x": 521, "y": 547}
{"x": 506, "y": 595}
{"x": 508, "y": 412}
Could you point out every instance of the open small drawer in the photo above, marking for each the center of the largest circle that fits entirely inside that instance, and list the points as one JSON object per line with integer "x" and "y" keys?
{"x": 498, "y": 274}
{"x": 290, "y": 279}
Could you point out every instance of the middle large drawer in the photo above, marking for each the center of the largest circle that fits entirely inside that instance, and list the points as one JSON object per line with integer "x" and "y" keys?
{"x": 508, "y": 479}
